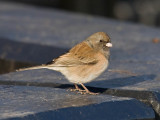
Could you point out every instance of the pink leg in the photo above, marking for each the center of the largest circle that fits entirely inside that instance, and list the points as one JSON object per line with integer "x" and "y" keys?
{"x": 87, "y": 91}
{"x": 77, "y": 88}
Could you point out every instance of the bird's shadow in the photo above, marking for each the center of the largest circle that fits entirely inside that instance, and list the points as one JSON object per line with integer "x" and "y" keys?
{"x": 125, "y": 81}
{"x": 117, "y": 83}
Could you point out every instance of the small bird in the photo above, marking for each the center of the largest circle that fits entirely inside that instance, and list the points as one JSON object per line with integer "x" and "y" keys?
{"x": 84, "y": 62}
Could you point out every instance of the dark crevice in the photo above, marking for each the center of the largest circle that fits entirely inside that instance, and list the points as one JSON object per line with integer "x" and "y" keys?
{"x": 28, "y": 52}
{"x": 7, "y": 66}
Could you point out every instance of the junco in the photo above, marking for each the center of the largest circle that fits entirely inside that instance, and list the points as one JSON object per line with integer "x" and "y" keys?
{"x": 84, "y": 62}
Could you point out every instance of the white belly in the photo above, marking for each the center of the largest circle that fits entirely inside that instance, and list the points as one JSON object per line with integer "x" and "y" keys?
{"x": 84, "y": 74}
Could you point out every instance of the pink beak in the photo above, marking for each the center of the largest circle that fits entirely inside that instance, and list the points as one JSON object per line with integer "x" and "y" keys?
{"x": 109, "y": 44}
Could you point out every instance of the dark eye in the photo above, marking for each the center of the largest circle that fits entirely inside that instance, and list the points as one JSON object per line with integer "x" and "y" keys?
{"x": 101, "y": 41}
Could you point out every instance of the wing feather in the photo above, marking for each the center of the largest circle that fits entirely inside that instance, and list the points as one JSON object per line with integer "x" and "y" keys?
{"x": 81, "y": 54}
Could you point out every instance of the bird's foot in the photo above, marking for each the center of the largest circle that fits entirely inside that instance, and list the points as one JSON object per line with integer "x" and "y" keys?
{"x": 76, "y": 89}
{"x": 83, "y": 92}
{"x": 87, "y": 92}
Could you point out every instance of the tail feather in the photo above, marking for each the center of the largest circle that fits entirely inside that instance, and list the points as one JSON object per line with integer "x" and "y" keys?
{"x": 32, "y": 68}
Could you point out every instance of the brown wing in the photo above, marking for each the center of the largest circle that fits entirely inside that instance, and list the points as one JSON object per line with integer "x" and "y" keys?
{"x": 79, "y": 55}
